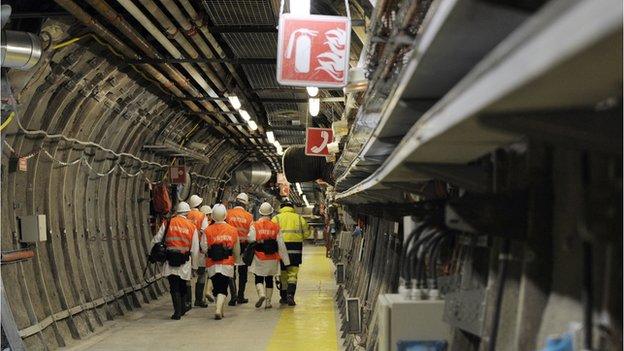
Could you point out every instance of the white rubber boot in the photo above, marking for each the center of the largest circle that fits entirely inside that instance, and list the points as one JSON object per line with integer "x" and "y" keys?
{"x": 269, "y": 294}
{"x": 220, "y": 303}
{"x": 261, "y": 294}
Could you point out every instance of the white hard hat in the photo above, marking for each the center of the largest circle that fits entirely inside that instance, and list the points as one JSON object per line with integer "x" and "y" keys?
{"x": 242, "y": 198}
{"x": 195, "y": 201}
{"x": 266, "y": 209}
{"x": 218, "y": 213}
{"x": 206, "y": 209}
{"x": 183, "y": 207}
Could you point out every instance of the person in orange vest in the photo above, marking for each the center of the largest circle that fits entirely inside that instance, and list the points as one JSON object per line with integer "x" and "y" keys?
{"x": 270, "y": 248}
{"x": 207, "y": 210}
{"x": 240, "y": 219}
{"x": 220, "y": 242}
{"x": 201, "y": 222}
{"x": 181, "y": 240}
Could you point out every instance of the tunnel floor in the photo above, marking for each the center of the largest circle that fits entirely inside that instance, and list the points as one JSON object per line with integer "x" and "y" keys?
{"x": 311, "y": 325}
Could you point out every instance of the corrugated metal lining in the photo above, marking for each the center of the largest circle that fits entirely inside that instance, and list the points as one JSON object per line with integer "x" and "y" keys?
{"x": 241, "y": 12}
{"x": 261, "y": 76}
{"x": 244, "y": 45}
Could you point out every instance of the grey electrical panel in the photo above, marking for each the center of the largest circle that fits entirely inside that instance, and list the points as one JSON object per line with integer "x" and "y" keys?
{"x": 354, "y": 318}
{"x": 33, "y": 228}
{"x": 340, "y": 273}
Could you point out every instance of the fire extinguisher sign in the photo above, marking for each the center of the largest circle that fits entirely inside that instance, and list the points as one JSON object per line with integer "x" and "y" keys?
{"x": 313, "y": 50}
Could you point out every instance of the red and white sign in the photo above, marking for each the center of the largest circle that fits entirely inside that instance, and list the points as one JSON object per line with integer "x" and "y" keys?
{"x": 317, "y": 140}
{"x": 178, "y": 174}
{"x": 313, "y": 50}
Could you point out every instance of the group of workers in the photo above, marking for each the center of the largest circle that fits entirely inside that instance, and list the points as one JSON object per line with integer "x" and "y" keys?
{"x": 211, "y": 240}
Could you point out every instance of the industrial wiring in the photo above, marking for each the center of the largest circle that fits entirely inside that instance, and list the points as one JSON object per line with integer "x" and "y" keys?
{"x": 8, "y": 121}
{"x": 68, "y": 42}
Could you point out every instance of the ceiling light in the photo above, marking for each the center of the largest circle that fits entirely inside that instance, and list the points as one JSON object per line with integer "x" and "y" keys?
{"x": 270, "y": 137}
{"x": 280, "y": 152}
{"x": 314, "y": 104}
{"x": 312, "y": 91}
{"x": 245, "y": 115}
{"x": 305, "y": 199}
{"x": 299, "y": 188}
{"x": 252, "y": 125}
{"x": 234, "y": 101}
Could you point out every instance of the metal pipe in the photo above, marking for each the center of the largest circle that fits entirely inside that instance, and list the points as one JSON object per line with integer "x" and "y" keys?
{"x": 14, "y": 256}
{"x": 168, "y": 45}
{"x": 19, "y": 50}
{"x": 124, "y": 27}
{"x": 115, "y": 42}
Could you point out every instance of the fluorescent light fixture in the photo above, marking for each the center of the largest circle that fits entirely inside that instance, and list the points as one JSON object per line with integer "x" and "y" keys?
{"x": 234, "y": 101}
{"x": 305, "y": 199}
{"x": 300, "y": 7}
{"x": 270, "y": 137}
{"x": 245, "y": 115}
{"x": 312, "y": 91}
{"x": 280, "y": 152}
{"x": 277, "y": 144}
{"x": 314, "y": 104}
{"x": 299, "y": 188}
{"x": 252, "y": 125}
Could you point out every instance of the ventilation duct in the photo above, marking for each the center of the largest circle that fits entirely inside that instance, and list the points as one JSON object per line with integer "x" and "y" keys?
{"x": 253, "y": 173}
{"x": 19, "y": 50}
{"x": 298, "y": 167}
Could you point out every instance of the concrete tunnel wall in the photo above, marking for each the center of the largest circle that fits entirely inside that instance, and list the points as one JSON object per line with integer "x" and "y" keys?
{"x": 90, "y": 268}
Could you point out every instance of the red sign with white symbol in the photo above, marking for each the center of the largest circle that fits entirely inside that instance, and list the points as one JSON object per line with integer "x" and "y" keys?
{"x": 178, "y": 174}
{"x": 317, "y": 140}
{"x": 313, "y": 50}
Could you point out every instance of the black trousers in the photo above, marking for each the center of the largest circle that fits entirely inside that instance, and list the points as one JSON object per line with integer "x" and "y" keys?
{"x": 267, "y": 280}
{"x": 219, "y": 284}
{"x": 176, "y": 284}
{"x": 242, "y": 274}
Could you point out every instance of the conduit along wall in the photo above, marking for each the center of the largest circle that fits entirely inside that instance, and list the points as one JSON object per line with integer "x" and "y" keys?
{"x": 476, "y": 218}
{"x": 73, "y": 151}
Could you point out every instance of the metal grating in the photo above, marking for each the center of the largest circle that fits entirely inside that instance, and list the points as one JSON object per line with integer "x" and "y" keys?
{"x": 283, "y": 113}
{"x": 244, "y": 45}
{"x": 261, "y": 76}
{"x": 241, "y": 12}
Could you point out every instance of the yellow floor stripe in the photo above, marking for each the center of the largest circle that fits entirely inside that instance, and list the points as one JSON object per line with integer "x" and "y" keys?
{"x": 311, "y": 325}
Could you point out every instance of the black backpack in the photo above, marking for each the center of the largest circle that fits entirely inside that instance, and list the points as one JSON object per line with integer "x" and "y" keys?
{"x": 158, "y": 254}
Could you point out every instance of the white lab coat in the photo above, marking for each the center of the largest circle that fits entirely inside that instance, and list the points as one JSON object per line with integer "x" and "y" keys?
{"x": 224, "y": 269}
{"x": 202, "y": 254}
{"x": 268, "y": 267}
{"x": 185, "y": 270}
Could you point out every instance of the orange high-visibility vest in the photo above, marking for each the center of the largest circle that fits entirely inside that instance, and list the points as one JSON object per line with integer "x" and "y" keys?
{"x": 221, "y": 234}
{"x": 241, "y": 220}
{"x": 197, "y": 217}
{"x": 180, "y": 234}
{"x": 266, "y": 230}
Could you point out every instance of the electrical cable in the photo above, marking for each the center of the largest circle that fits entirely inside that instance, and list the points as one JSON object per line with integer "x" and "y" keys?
{"x": 8, "y": 121}
{"x": 67, "y": 42}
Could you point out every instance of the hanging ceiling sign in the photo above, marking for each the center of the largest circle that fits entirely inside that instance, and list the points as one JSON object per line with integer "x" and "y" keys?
{"x": 178, "y": 174}
{"x": 313, "y": 50}
{"x": 317, "y": 140}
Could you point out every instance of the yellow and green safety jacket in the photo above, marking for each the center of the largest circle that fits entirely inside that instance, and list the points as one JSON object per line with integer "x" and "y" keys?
{"x": 294, "y": 230}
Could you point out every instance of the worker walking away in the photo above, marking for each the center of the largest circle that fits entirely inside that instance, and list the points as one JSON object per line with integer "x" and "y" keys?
{"x": 269, "y": 249}
{"x": 181, "y": 240}
{"x": 239, "y": 218}
{"x": 207, "y": 211}
{"x": 201, "y": 222}
{"x": 294, "y": 229}
{"x": 220, "y": 242}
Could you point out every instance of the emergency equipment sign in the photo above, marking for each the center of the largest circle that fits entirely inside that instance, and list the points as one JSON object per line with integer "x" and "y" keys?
{"x": 317, "y": 140}
{"x": 313, "y": 50}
